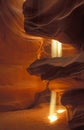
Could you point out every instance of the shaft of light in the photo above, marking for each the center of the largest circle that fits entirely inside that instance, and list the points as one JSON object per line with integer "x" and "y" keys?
{"x": 59, "y": 49}
{"x": 56, "y": 51}
{"x": 52, "y": 102}
{"x": 52, "y": 118}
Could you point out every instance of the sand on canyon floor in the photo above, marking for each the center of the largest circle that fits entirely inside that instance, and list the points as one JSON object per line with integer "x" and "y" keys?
{"x": 32, "y": 119}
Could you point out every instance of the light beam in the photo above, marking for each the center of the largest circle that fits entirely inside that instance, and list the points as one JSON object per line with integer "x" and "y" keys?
{"x": 56, "y": 51}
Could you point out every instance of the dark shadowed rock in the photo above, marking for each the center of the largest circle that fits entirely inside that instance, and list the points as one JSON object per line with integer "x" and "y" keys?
{"x": 61, "y": 20}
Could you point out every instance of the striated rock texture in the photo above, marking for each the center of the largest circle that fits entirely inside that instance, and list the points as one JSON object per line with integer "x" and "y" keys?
{"x": 18, "y": 50}
{"x": 59, "y": 19}
{"x": 73, "y": 99}
{"x": 53, "y": 68}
